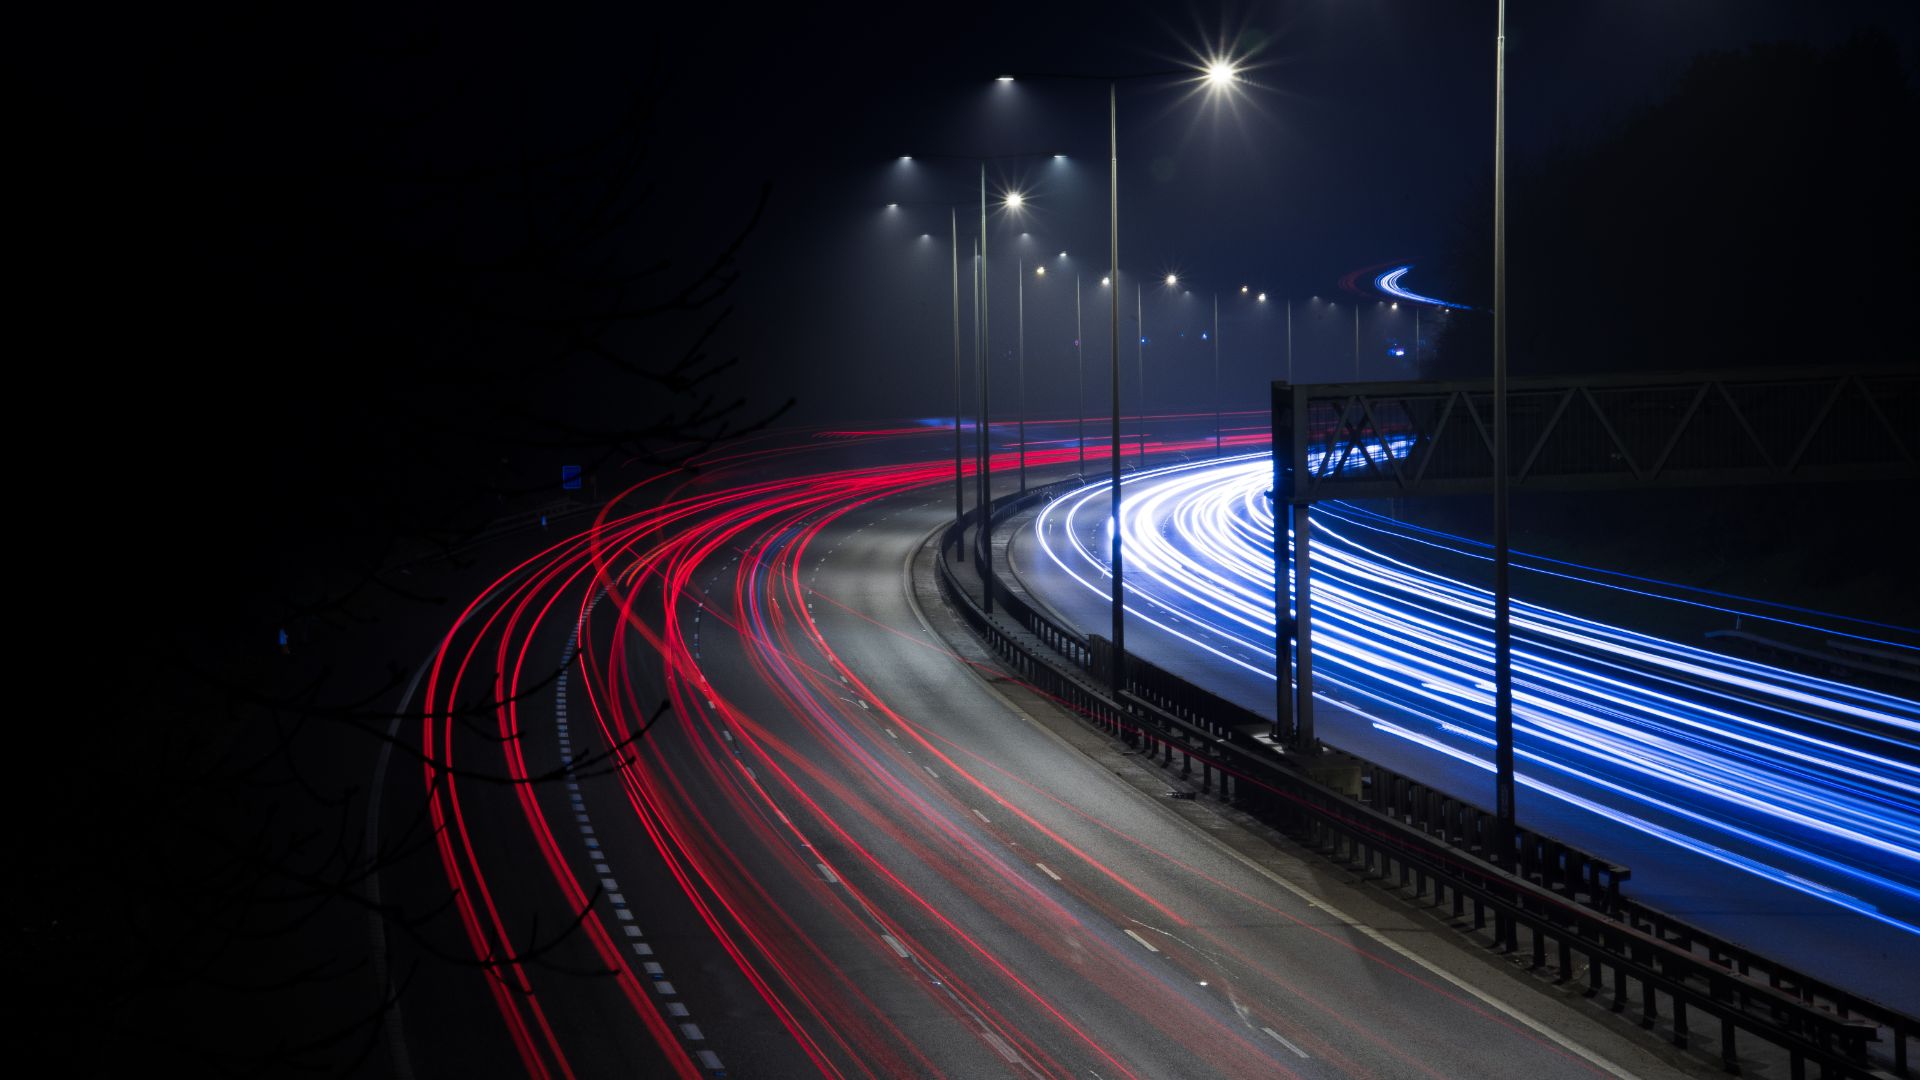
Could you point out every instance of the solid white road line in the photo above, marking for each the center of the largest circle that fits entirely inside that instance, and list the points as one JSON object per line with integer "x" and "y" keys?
{"x": 1284, "y": 1041}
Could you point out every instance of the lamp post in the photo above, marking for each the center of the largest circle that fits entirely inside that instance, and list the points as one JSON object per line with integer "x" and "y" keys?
{"x": 1218, "y": 74}
{"x": 1140, "y": 316}
{"x": 1079, "y": 400}
{"x": 1020, "y": 274}
{"x": 959, "y": 498}
{"x": 985, "y": 499}
{"x": 1219, "y": 439}
{"x": 1013, "y": 201}
{"x": 1502, "y": 628}
{"x": 1219, "y": 397}
{"x": 959, "y": 485}
{"x": 1080, "y": 387}
{"x": 1140, "y": 353}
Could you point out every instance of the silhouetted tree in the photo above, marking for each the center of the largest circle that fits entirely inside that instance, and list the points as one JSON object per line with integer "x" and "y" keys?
{"x": 315, "y": 299}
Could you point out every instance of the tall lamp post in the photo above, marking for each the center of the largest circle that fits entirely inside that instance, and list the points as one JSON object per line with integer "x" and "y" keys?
{"x": 1502, "y": 628}
{"x": 985, "y": 443}
{"x": 959, "y": 497}
{"x": 1219, "y": 74}
{"x": 1219, "y": 442}
{"x": 1020, "y": 338}
{"x": 983, "y": 448}
{"x": 1079, "y": 398}
{"x": 1140, "y": 364}
{"x": 1080, "y": 386}
{"x": 959, "y": 486}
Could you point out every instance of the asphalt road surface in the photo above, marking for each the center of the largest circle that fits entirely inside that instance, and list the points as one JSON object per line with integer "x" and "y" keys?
{"x": 716, "y": 787}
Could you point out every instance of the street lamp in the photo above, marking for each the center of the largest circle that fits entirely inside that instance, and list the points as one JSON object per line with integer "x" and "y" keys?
{"x": 983, "y": 443}
{"x": 1013, "y": 202}
{"x": 1219, "y": 74}
{"x": 1217, "y": 443}
{"x": 1502, "y": 625}
{"x": 1219, "y": 440}
{"x": 959, "y": 486}
{"x": 1080, "y": 362}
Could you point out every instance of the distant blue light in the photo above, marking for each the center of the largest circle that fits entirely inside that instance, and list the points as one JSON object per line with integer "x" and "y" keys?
{"x": 1389, "y": 283}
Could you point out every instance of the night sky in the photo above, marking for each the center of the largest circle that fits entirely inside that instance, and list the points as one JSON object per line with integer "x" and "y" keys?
{"x": 1362, "y": 131}
{"x": 1365, "y": 128}
{"x": 311, "y": 294}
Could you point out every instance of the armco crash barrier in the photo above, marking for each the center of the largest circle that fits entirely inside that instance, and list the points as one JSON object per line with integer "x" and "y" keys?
{"x": 1435, "y": 848}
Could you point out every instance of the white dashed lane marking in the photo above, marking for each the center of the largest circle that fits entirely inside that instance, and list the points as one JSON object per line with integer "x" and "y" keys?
{"x": 610, "y": 885}
{"x": 1284, "y": 1041}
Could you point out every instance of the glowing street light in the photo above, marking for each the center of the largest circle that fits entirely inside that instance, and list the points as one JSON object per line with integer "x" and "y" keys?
{"x": 983, "y": 441}
{"x": 1172, "y": 279}
{"x": 1220, "y": 74}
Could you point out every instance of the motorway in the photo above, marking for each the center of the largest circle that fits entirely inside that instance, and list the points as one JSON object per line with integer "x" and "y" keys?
{"x": 715, "y": 787}
{"x": 1775, "y": 809}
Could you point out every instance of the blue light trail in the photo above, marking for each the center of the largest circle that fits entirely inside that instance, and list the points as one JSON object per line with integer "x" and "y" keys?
{"x": 1807, "y": 782}
{"x": 1389, "y": 283}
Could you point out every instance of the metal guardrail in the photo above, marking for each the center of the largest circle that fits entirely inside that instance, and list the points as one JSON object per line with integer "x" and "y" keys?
{"x": 1568, "y": 904}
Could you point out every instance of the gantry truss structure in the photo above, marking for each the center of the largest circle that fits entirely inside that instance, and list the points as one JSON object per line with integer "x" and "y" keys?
{"x": 1382, "y": 440}
{"x": 1706, "y": 428}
